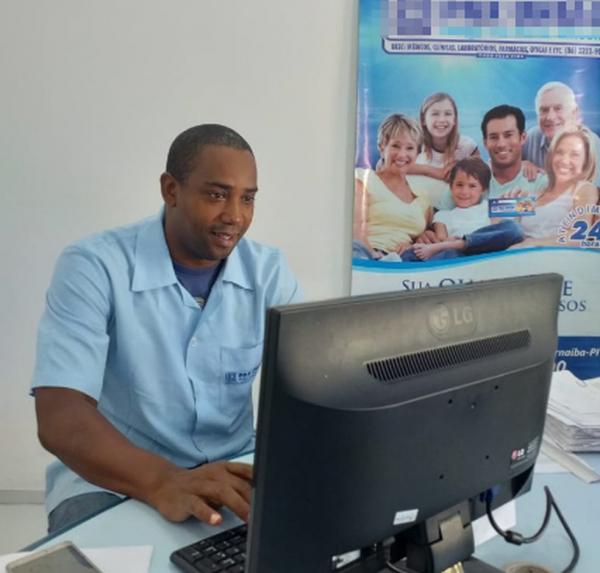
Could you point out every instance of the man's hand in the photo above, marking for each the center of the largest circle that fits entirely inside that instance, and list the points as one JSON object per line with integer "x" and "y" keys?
{"x": 530, "y": 170}
{"x": 515, "y": 193}
{"x": 71, "y": 427}
{"x": 201, "y": 491}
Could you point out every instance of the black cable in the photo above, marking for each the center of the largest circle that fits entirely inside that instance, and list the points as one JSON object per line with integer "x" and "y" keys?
{"x": 518, "y": 539}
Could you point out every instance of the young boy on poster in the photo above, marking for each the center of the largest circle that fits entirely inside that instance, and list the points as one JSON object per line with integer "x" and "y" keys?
{"x": 467, "y": 228}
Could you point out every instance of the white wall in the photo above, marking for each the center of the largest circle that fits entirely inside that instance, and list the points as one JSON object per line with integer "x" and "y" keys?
{"x": 92, "y": 94}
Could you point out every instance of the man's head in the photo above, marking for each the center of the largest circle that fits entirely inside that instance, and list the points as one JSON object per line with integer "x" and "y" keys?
{"x": 503, "y": 129}
{"x": 208, "y": 189}
{"x": 556, "y": 108}
{"x": 469, "y": 180}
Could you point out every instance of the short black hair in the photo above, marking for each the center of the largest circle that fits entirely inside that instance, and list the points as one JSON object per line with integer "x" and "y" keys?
{"x": 187, "y": 145}
{"x": 500, "y": 112}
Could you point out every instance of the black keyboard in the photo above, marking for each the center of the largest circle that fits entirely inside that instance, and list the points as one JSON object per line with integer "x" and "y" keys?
{"x": 223, "y": 552}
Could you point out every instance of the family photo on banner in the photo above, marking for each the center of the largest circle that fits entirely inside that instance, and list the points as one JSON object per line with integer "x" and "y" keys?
{"x": 479, "y": 159}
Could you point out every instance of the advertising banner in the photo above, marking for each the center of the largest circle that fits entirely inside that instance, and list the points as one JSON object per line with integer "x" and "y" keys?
{"x": 477, "y": 152}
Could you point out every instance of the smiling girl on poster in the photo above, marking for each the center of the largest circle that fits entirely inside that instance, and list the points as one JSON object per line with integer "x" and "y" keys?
{"x": 443, "y": 146}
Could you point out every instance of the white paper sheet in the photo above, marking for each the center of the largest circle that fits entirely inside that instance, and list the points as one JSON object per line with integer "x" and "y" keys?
{"x": 135, "y": 559}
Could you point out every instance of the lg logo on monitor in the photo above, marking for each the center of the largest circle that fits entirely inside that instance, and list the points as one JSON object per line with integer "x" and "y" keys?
{"x": 452, "y": 319}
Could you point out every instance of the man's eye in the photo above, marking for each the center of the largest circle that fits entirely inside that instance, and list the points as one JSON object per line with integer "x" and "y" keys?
{"x": 249, "y": 198}
{"x": 217, "y": 195}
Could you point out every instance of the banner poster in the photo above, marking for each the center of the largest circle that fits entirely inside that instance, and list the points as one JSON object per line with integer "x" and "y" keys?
{"x": 477, "y": 152}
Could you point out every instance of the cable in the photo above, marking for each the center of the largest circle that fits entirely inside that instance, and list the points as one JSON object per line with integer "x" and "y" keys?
{"x": 519, "y": 539}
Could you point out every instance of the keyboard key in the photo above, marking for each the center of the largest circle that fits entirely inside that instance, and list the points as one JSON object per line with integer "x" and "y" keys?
{"x": 224, "y": 552}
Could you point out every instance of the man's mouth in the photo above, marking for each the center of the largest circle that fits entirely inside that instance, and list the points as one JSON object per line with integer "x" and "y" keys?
{"x": 224, "y": 239}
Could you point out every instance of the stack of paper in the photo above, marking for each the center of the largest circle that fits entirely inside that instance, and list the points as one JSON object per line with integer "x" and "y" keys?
{"x": 573, "y": 420}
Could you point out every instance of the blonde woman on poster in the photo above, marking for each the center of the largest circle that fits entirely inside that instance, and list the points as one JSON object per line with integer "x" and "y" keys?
{"x": 571, "y": 167}
{"x": 388, "y": 216}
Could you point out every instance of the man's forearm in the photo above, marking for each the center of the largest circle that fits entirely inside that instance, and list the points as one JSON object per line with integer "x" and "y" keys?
{"x": 73, "y": 429}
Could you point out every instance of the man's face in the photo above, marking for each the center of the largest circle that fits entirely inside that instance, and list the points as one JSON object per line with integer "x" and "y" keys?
{"x": 504, "y": 142}
{"x": 209, "y": 212}
{"x": 555, "y": 110}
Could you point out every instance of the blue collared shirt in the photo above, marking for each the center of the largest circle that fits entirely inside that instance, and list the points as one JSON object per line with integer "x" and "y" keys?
{"x": 172, "y": 377}
{"x": 536, "y": 146}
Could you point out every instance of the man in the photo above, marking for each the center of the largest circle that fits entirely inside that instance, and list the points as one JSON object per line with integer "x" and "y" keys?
{"x": 503, "y": 129}
{"x": 150, "y": 340}
{"x": 556, "y": 108}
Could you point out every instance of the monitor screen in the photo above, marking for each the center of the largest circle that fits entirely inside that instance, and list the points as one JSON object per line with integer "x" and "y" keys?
{"x": 381, "y": 414}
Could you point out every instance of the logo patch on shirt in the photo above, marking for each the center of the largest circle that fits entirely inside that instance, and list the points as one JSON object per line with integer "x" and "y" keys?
{"x": 240, "y": 377}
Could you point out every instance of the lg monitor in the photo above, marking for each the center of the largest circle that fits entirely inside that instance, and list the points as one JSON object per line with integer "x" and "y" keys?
{"x": 379, "y": 412}
{"x": 384, "y": 419}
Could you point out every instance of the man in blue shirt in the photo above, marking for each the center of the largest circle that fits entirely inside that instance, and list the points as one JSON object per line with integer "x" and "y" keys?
{"x": 151, "y": 337}
{"x": 503, "y": 130}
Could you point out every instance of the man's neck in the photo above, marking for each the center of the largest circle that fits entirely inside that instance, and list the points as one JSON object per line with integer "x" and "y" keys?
{"x": 505, "y": 174}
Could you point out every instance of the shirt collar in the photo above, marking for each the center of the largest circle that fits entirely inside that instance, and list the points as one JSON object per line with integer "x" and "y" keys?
{"x": 544, "y": 141}
{"x": 236, "y": 269}
{"x": 154, "y": 267}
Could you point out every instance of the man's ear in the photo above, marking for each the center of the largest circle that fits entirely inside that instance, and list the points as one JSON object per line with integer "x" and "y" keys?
{"x": 169, "y": 187}
{"x": 523, "y": 136}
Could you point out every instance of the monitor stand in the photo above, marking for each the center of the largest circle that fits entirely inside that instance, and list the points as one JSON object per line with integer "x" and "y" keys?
{"x": 439, "y": 543}
{"x": 433, "y": 546}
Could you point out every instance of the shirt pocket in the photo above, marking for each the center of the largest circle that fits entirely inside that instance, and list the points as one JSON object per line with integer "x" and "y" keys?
{"x": 238, "y": 369}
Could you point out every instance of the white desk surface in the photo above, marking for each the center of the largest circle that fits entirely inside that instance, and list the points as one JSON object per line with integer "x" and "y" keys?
{"x": 133, "y": 523}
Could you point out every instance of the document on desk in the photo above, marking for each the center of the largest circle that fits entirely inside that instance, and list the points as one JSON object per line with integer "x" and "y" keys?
{"x": 134, "y": 559}
{"x": 573, "y": 420}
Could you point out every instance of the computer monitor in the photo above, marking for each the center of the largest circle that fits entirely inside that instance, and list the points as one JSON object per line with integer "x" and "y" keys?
{"x": 384, "y": 417}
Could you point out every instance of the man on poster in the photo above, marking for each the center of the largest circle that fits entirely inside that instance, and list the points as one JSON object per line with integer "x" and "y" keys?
{"x": 503, "y": 130}
{"x": 556, "y": 108}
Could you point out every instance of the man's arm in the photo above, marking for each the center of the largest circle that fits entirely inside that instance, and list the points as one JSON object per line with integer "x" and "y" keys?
{"x": 71, "y": 427}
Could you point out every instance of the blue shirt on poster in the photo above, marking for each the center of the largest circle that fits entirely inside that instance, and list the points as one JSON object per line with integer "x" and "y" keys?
{"x": 171, "y": 376}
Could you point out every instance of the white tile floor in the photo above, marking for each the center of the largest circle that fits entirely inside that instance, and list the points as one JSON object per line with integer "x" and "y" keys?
{"x": 20, "y": 525}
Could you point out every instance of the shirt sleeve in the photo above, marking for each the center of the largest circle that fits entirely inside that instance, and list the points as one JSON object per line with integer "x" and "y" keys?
{"x": 72, "y": 339}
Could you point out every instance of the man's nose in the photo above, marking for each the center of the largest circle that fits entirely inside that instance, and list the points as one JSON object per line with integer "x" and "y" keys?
{"x": 232, "y": 213}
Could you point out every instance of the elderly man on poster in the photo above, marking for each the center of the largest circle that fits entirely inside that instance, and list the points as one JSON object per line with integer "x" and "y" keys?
{"x": 556, "y": 108}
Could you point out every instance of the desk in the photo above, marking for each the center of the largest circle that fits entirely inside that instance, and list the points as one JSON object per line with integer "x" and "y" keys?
{"x": 133, "y": 523}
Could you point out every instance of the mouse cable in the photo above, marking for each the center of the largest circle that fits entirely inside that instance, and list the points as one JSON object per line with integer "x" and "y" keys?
{"x": 518, "y": 539}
